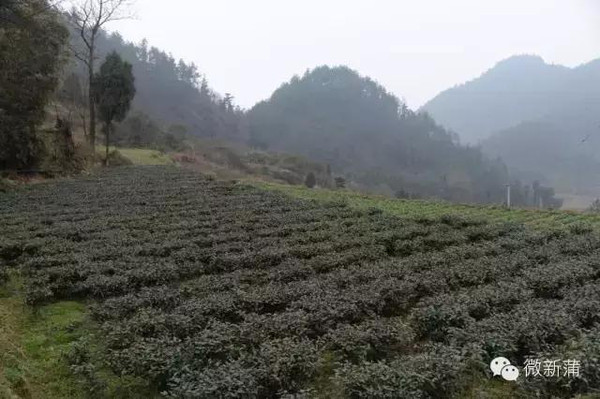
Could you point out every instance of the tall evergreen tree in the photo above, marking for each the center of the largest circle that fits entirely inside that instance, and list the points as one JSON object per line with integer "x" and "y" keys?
{"x": 88, "y": 18}
{"x": 114, "y": 89}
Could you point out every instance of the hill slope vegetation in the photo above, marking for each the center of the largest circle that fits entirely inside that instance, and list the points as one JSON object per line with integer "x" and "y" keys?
{"x": 336, "y": 116}
{"x": 540, "y": 119}
{"x": 521, "y": 89}
{"x": 172, "y": 92}
{"x": 542, "y": 151}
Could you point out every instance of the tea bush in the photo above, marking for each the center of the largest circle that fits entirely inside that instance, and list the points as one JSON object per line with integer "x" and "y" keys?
{"x": 211, "y": 288}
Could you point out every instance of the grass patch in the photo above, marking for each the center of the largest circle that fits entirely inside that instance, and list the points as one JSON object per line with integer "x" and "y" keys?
{"x": 139, "y": 156}
{"x": 496, "y": 388}
{"x": 6, "y": 185}
{"x": 539, "y": 219}
{"x": 32, "y": 345}
{"x": 35, "y": 346}
{"x": 324, "y": 386}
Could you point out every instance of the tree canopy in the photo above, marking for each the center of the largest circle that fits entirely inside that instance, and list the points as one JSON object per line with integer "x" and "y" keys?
{"x": 172, "y": 92}
{"x": 336, "y": 116}
{"x": 114, "y": 90}
{"x": 32, "y": 42}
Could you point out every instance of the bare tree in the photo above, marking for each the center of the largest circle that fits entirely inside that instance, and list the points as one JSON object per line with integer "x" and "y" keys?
{"x": 88, "y": 17}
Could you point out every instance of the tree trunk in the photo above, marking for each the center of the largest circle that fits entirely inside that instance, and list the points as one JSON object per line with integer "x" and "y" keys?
{"x": 85, "y": 127}
{"x": 91, "y": 99}
{"x": 107, "y": 142}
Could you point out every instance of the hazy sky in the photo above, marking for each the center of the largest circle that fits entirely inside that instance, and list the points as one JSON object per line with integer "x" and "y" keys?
{"x": 414, "y": 48}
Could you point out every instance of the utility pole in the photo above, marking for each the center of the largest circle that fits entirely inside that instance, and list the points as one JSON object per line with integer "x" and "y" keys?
{"x": 508, "y": 195}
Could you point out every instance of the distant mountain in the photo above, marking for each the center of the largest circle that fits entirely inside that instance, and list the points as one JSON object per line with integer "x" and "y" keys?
{"x": 542, "y": 151}
{"x": 522, "y": 89}
{"x": 542, "y": 120}
{"x": 334, "y": 115}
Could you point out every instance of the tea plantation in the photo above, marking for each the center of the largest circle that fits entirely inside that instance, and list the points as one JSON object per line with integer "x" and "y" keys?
{"x": 537, "y": 219}
{"x": 213, "y": 289}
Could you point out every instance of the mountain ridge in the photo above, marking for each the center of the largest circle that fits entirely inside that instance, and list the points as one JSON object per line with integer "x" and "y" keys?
{"x": 517, "y": 89}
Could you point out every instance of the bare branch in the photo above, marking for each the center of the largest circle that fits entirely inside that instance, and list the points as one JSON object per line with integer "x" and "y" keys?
{"x": 88, "y": 18}
{"x": 77, "y": 54}
{"x": 114, "y": 11}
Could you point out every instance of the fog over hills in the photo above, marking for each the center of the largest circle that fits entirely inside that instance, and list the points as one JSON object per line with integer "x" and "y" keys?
{"x": 334, "y": 115}
{"x": 519, "y": 89}
{"x": 542, "y": 151}
{"x": 543, "y": 120}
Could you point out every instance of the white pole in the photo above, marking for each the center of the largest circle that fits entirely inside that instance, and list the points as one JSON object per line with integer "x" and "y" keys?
{"x": 508, "y": 195}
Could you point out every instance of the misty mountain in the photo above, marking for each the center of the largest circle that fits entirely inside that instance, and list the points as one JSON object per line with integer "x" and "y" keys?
{"x": 330, "y": 115}
{"x": 542, "y": 151}
{"x": 522, "y": 89}
{"x": 542, "y": 120}
{"x": 171, "y": 91}
{"x": 334, "y": 115}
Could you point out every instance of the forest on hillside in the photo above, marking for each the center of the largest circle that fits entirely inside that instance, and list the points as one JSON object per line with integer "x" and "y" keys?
{"x": 353, "y": 123}
{"x": 171, "y": 92}
{"x": 331, "y": 115}
{"x": 541, "y": 119}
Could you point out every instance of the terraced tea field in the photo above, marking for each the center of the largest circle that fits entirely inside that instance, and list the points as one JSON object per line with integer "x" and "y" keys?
{"x": 211, "y": 289}
{"x": 537, "y": 219}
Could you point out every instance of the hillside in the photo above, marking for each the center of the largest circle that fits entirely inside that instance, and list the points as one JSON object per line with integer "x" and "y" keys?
{"x": 330, "y": 115}
{"x": 227, "y": 160}
{"x": 542, "y": 151}
{"x": 522, "y": 89}
{"x": 156, "y": 279}
{"x": 542, "y": 120}
{"x": 172, "y": 92}
{"x": 334, "y": 115}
